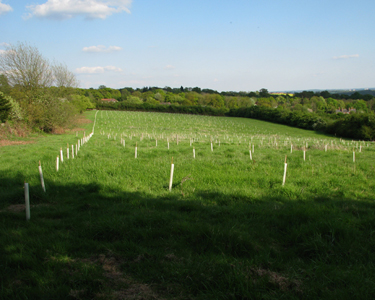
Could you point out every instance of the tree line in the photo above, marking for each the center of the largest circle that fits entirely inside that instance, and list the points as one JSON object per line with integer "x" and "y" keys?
{"x": 45, "y": 96}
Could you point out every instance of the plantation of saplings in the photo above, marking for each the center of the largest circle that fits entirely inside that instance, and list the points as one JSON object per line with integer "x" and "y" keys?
{"x": 254, "y": 210}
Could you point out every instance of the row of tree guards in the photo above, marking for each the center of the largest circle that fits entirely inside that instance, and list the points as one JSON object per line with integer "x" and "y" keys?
{"x": 85, "y": 139}
{"x": 81, "y": 142}
{"x": 251, "y": 146}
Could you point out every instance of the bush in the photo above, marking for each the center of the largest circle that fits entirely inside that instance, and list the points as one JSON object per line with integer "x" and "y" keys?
{"x": 5, "y": 107}
{"x": 181, "y": 109}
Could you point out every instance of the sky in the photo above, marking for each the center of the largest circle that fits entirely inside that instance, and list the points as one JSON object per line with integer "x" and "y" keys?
{"x": 238, "y": 45}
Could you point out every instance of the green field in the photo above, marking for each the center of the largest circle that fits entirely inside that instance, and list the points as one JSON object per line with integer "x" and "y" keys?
{"x": 109, "y": 228}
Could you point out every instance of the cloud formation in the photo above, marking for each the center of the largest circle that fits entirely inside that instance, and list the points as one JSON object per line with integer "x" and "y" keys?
{"x": 4, "y": 8}
{"x": 346, "y": 56}
{"x": 101, "y": 48}
{"x": 97, "y": 70}
{"x": 67, "y": 9}
{"x": 168, "y": 67}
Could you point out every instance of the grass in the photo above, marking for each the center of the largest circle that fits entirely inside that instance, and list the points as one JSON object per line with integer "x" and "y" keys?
{"x": 108, "y": 228}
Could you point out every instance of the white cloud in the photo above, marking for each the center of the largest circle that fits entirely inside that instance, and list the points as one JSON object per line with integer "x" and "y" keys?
{"x": 168, "y": 67}
{"x": 101, "y": 48}
{"x": 97, "y": 70}
{"x": 346, "y": 56}
{"x": 67, "y": 9}
{"x": 4, "y": 8}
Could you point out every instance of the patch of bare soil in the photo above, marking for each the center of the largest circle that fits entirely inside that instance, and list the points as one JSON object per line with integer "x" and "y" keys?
{"x": 58, "y": 130}
{"x": 12, "y": 143}
{"x": 120, "y": 285}
{"x": 76, "y": 129}
{"x": 82, "y": 121}
{"x": 282, "y": 282}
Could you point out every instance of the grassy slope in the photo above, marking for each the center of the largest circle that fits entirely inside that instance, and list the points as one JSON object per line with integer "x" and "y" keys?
{"x": 109, "y": 227}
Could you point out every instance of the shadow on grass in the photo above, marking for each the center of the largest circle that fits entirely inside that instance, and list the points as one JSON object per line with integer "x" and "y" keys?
{"x": 88, "y": 241}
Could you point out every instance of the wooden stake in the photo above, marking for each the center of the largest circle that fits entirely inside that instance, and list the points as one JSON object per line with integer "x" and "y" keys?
{"x": 136, "y": 148}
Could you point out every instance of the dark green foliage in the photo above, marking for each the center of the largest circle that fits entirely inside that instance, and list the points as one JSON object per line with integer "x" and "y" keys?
{"x": 298, "y": 119}
{"x": 5, "y": 107}
{"x": 356, "y": 126}
{"x": 195, "y": 110}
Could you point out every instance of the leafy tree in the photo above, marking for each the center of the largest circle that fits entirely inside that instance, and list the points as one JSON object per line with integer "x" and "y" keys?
{"x": 5, "y": 107}
{"x": 81, "y": 102}
{"x": 360, "y": 105}
{"x": 152, "y": 100}
{"x": 125, "y": 94}
{"x": 4, "y": 84}
{"x": 263, "y": 93}
{"x": 159, "y": 97}
{"x": 325, "y": 94}
{"x": 134, "y": 100}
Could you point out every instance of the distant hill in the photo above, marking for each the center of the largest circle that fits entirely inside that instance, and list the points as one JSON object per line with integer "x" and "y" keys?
{"x": 362, "y": 91}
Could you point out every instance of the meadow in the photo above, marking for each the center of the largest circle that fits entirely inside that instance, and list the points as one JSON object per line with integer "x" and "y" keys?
{"x": 109, "y": 227}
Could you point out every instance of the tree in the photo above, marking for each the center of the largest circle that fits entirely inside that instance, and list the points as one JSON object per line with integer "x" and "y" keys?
{"x": 263, "y": 93}
{"x": 4, "y": 84}
{"x": 5, "y": 107}
{"x": 63, "y": 77}
{"x": 24, "y": 66}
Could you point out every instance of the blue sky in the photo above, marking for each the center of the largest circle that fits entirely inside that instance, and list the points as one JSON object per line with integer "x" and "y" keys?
{"x": 222, "y": 45}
